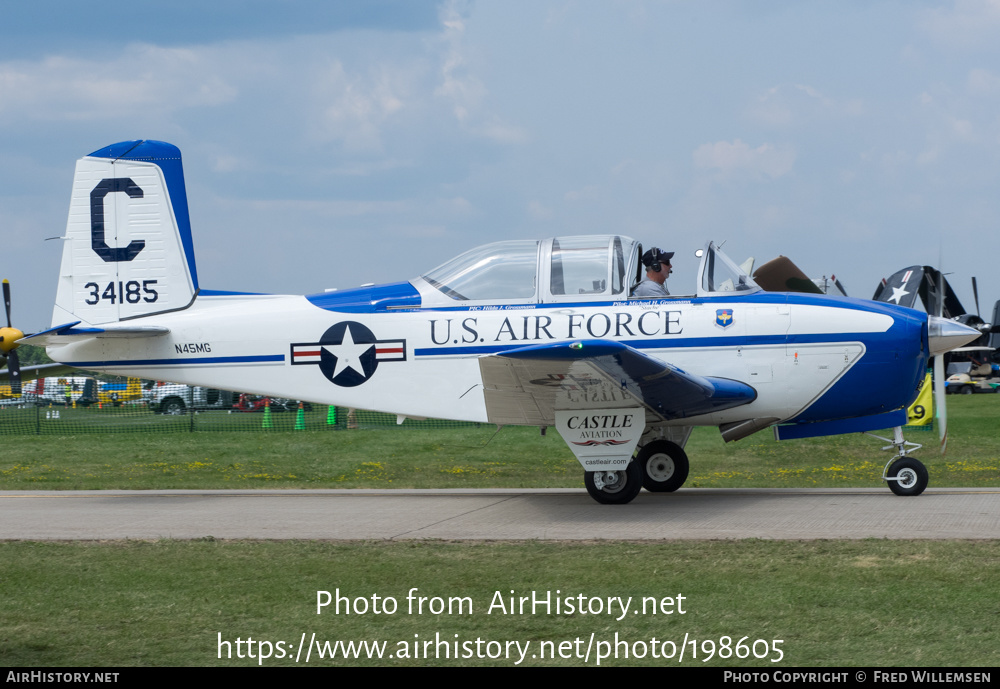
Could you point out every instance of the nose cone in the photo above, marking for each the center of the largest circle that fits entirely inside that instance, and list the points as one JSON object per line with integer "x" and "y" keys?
{"x": 944, "y": 335}
{"x": 8, "y": 336}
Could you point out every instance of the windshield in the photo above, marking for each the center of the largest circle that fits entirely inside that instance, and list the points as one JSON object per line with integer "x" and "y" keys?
{"x": 719, "y": 274}
{"x": 502, "y": 270}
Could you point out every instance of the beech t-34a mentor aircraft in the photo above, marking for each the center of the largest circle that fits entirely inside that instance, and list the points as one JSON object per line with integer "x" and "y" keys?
{"x": 527, "y": 332}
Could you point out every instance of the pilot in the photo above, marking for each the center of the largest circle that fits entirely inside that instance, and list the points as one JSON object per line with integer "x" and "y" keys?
{"x": 658, "y": 269}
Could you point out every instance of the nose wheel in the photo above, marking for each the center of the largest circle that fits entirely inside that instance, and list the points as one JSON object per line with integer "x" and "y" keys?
{"x": 904, "y": 474}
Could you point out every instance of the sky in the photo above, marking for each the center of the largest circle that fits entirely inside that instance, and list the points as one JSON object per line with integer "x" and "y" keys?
{"x": 334, "y": 144}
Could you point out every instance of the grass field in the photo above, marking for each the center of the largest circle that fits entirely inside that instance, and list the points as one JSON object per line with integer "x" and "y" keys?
{"x": 869, "y": 603}
{"x": 472, "y": 457}
{"x": 866, "y": 603}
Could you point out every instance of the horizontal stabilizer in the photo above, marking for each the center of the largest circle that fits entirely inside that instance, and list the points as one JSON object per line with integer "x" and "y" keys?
{"x": 526, "y": 385}
{"x": 66, "y": 333}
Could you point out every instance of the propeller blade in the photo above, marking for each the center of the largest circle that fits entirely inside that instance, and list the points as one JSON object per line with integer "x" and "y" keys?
{"x": 939, "y": 393}
{"x": 975, "y": 295}
{"x": 14, "y": 367}
{"x": 6, "y": 300}
{"x": 939, "y": 401}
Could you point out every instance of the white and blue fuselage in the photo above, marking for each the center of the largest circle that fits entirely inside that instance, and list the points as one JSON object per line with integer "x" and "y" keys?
{"x": 809, "y": 358}
{"x": 518, "y": 332}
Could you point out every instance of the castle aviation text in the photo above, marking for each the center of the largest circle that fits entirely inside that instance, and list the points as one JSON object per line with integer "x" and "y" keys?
{"x": 600, "y": 421}
{"x": 536, "y": 603}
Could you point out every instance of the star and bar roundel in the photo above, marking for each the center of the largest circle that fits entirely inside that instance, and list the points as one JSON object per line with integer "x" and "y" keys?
{"x": 348, "y": 353}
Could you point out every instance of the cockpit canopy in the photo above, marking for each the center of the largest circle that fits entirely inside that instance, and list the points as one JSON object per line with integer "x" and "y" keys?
{"x": 561, "y": 269}
{"x": 720, "y": 275}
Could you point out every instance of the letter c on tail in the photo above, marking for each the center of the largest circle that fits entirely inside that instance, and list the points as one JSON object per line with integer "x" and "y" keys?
{"x": 97, "y": 194}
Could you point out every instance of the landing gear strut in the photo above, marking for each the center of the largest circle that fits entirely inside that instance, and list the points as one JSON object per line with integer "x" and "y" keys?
{"x": 904, "y": 474}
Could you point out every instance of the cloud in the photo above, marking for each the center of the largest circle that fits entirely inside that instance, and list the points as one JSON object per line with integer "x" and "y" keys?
{"x": 355, "y": 107}
{"x": 966, "y": 24}
{"x": 349, "y": 89}
{"x": 787, "y": 104}
{"x": 737, "y": 159}
{"x": 461, "y": 88}
{"x": 539, "y": 211}
{"x": 982, "y": 82}
{"x": 140, "y": 78}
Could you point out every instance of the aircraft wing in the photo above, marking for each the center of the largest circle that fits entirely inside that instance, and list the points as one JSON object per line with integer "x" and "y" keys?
{"x": 40, "y": 371}
{"x": 526, "y": 385}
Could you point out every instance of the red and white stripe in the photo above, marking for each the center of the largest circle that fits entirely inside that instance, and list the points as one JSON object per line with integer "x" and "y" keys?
{"x": 390, "y": 350}
{"x": 306, "y": 353}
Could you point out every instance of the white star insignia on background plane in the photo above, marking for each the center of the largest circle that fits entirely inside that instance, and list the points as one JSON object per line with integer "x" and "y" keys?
{"x": 897, "y": 294}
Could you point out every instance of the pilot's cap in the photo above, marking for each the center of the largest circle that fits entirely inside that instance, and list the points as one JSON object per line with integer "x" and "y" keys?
{"x": 654, "y": 256}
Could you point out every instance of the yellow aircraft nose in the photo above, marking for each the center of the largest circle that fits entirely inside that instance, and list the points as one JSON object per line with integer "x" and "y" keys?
{"x": 8, "y": 336}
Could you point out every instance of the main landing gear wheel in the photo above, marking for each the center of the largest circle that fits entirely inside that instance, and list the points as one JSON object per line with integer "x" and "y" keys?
{"x": 614, "y": 487}
{"x": 907, "y": 476}
{"x": 664, "y": 466}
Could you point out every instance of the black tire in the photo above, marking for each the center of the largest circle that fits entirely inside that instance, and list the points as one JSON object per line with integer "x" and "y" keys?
{"x": 910, "y": 476}
{"x": 623, "y": 487}
{"x": 173, "y": 406}
{"x": 664, "y": 466}
{"x": 966, "y": 389}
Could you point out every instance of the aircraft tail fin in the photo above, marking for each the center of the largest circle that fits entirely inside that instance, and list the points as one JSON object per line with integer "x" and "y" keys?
{"x": 128, "y": 250}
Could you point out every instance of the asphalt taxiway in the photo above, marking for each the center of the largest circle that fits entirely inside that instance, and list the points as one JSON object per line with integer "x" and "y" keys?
{"x": 498, "y": 514}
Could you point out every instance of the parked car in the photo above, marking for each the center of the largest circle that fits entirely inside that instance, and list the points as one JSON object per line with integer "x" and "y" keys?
{"x": 174, "y": 398}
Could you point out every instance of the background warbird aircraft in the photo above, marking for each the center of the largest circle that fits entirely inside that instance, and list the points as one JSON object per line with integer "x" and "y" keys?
{"x": 528, "y": 332}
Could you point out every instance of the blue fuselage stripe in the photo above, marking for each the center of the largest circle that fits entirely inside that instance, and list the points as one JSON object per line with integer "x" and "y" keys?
{"x": 261, "y": 359}
{"x": 670, "y": 343}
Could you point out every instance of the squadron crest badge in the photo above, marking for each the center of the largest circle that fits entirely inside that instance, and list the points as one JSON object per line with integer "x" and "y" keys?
{"x": 723, "y": 318}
